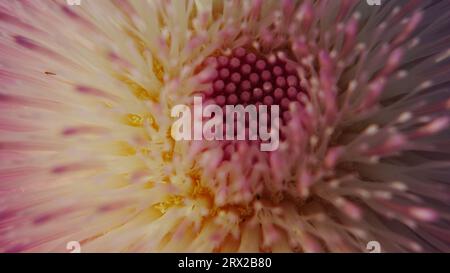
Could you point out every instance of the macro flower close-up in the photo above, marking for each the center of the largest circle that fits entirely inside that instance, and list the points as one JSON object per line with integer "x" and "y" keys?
{"x": 88, "y": 155}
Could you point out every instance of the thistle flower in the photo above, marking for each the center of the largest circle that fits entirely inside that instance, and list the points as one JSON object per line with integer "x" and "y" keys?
{"x": 85, "y": 146}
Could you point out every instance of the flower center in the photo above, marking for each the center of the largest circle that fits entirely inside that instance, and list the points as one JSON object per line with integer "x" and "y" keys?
{"x": 245, "y": 78}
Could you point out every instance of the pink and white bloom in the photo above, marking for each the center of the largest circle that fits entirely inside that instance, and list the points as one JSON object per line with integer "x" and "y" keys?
{"x": 85, "y": 147}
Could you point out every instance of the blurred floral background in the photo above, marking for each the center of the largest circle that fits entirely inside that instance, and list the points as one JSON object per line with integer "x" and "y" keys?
{"x": 85, "y": 147}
